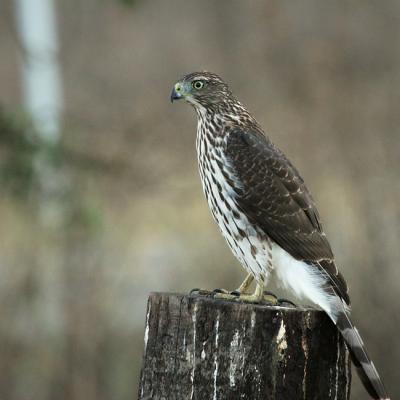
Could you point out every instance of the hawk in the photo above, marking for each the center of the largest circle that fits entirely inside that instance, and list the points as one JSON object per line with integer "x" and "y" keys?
{"x": 266, "y": 212}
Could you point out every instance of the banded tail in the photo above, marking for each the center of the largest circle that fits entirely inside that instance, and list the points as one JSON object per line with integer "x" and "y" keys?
{"x": 365, "y": 367}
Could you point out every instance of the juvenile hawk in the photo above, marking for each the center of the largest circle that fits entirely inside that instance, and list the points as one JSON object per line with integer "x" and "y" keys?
{"x": 265, "y": 211}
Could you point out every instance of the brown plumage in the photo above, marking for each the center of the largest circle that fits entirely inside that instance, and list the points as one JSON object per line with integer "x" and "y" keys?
{"x": 276, "y": 199}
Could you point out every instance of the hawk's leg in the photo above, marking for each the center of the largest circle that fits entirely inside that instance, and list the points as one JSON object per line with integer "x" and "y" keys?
{"x": 259, "y": 295}
{"x": 245, "y": 284}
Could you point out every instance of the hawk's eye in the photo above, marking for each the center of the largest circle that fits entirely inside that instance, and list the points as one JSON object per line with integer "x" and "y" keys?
{"x": 198, "y": 84}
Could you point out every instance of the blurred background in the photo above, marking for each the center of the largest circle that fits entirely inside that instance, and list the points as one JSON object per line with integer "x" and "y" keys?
{"x": 100, "y": 196}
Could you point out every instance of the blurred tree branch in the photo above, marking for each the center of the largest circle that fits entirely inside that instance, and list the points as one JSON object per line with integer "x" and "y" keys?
{"x": 19, "y": 145}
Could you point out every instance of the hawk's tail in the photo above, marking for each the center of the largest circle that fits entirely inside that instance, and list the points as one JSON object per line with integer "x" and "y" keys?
{"x": 365, "y": 367}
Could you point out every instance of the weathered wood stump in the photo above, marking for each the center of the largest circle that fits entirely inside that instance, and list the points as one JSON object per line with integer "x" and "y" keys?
{"x": 201, "y": 348}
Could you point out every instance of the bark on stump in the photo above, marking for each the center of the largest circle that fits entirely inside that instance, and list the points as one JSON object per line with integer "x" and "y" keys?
{"x": 202, "y": 348}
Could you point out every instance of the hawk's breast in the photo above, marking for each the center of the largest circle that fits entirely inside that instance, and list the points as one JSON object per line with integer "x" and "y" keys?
{"x": 250, "y": 246}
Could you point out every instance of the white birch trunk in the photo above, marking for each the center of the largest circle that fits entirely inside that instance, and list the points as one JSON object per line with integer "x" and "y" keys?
{"x": 42, "y": 98}
{"x": 42, "y": 89}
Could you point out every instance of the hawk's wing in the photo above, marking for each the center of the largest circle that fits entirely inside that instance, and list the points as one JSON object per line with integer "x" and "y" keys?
{"x": 274, "y": 197}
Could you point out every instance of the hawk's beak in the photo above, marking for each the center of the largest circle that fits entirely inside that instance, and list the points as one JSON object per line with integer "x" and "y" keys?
{"x": 176, "y": 93}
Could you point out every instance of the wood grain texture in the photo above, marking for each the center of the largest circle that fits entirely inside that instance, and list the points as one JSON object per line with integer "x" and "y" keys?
{"x": 200, "y": 348}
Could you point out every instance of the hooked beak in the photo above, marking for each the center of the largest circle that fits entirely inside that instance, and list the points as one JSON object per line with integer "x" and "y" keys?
{"x": 176, "y": 93}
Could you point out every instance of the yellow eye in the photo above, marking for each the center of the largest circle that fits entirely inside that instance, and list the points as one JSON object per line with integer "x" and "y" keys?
{"x": 198, "y": 84}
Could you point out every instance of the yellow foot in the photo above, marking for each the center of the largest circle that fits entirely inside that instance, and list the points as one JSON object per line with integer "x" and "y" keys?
{"x": 200, "y": 292}
{"x": 270, "y": 298}
{"x": 216, "y": 293}
{"x": 257, "y": 298}
{"x": 226, "y": 296}
{"x": 247, "y": 298}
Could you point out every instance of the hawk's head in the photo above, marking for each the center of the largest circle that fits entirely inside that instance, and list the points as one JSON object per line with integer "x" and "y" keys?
{"x": 202, "y": 90}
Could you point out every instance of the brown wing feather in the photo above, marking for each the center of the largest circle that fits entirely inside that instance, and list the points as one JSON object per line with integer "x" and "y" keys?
{"x": 275, "y": 198}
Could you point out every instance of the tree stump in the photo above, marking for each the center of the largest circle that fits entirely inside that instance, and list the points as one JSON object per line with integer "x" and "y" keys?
{"x": 201, "y": 348}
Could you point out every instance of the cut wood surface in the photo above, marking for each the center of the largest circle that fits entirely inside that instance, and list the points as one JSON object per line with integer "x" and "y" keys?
{"x": 197, "y": 347}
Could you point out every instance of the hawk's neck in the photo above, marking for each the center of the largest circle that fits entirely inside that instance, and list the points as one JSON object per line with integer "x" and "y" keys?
{"x": 216, "y": 121}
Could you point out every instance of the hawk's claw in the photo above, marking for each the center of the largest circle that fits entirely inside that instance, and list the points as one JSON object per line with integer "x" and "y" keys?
{"x": 272, "y": 298}
{"x": 200, "y": 292}
{"x": 225, "y": 295}
{"x": 286, "y": 302}
{"x": 270, "y": 294}
{"x": 216, "y": 293}
{"x": 220, "y": 291}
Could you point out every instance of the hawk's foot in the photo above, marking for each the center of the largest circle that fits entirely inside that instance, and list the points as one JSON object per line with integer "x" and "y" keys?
{"x": 200, "y": 292}
{"x": 236, "y": 294}
{"x": 286, "y": 303}
{"x": 265, "y": 297}
{"x": 225, "y": 295}
{"x": 216, "y": 293}
{"x": 259, "y": 296}
{"x": 270, "y": 297}
{"x": 256, "y": 297}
